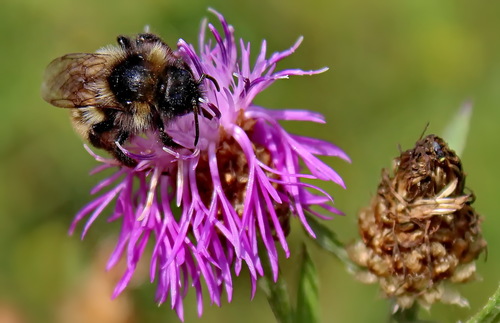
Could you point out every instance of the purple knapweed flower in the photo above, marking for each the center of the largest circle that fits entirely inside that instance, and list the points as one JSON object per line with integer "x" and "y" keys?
{"x": 205, "y": 210}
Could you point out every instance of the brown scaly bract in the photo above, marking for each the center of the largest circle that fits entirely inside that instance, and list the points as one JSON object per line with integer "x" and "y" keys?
{"x": 420, "y": 231}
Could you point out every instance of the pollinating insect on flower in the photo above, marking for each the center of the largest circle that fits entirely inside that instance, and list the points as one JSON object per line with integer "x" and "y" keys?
{"x": 420, "y": 234}
{"x": 203, "y": 176}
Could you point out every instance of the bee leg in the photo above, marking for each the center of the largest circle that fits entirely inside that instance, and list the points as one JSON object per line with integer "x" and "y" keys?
{"x": 119, "y": 154}
{"x": 98, "y": 134}
{"x": 100, "y": 137}
{"x": 166, "y": 139}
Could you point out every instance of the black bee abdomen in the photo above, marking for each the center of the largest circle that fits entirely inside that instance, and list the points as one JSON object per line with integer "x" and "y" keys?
{"x": 132, "y": 81}
{"x": 178, "y": 91}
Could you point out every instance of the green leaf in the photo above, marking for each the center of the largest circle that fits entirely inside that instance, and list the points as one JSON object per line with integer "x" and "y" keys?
{"x": 455, "y": 133}
{"x": 277, "y": 296}
{"x": 490, "y": 313}
{"x": 307, "y": 299}
{"x": 327, "y": 240}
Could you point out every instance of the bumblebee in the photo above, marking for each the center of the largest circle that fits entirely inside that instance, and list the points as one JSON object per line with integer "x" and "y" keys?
{"x": 122, "y": 91}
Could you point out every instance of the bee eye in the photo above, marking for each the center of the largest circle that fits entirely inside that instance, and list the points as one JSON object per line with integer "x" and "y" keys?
{"x": 131, "y": 81}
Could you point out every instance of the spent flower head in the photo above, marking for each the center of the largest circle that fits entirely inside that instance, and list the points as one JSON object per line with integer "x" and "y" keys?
{"x": 420, "y": 234}
{"x": 207, "y": 210}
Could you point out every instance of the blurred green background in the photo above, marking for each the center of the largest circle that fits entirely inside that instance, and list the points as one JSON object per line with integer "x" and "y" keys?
{"x": 394, "y": 67}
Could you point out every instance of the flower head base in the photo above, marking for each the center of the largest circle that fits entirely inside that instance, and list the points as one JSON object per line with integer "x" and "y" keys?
{"x": 205, "y": 210}
{"x": 420, "y": 230}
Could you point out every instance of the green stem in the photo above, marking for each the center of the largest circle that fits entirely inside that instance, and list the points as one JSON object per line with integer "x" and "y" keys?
{"x": 406, "y": 315}
{"x": 409, "y": 315}
{"x": 490, "y": 313}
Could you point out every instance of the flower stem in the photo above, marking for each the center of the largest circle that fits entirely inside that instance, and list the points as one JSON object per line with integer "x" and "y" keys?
{"x": 409, "y": 315}
{"x": 490, "y": 313}
{"x": 405, "y": 315}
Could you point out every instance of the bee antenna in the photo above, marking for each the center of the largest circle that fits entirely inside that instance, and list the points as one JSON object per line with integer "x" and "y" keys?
{"x": 196, "y": 111}
{"x": 211, "y": 78}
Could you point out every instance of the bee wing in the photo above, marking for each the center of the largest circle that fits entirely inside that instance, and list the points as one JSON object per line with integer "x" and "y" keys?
{"x": 72, "y": 81}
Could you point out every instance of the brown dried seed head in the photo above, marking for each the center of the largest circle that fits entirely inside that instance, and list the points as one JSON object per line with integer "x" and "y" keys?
{"x": 420, "y": 230}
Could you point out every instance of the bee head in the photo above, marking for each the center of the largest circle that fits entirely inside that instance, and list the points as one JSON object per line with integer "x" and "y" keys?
{"x": 178, "y": 92}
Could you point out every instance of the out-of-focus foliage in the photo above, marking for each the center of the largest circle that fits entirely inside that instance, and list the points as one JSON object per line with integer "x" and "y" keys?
{"x": 395, "y": 66}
